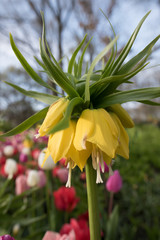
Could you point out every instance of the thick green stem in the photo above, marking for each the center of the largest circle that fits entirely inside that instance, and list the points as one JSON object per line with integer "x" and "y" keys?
{"x": 94, "y": 223}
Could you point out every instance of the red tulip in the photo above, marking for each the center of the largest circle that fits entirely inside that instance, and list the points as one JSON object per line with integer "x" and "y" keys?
{"x": 65, "y": 199}
{"x": 80, "y": 228}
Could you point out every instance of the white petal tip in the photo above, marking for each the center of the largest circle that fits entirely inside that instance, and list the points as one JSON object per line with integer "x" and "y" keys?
{"x": 37, "y": 135}
{"x": 99, "y": 180}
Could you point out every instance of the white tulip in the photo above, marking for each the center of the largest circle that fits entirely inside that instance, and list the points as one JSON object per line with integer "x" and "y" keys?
{"x": 26, "y": 150}
{"x": 49, "y": 163}
{"x": 10, "y": 167}
{"x": 8, "y": 150}
{"x": 33, "y": 178}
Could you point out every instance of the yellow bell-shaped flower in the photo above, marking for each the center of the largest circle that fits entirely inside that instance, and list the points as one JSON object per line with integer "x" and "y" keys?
{"x": 54, "y": 115}
{"x": 97, "y": 133}
{"x": 60, "y": 145}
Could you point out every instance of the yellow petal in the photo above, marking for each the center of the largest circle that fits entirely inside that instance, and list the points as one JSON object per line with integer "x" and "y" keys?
{"x": 123, "y": 115}
{"x": 105, "y": 134}
{"x": 84, "y": 128}
{"x": 60, "y": 142}
{"x": 54, "y": 114}
{"x": 106, "y": 158}
{"x": 123, "y": 148}
{"x": 79, "y": 157}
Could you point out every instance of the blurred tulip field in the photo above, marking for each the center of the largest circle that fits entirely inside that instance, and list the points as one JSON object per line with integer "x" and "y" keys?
{"x": 35, "y": 204}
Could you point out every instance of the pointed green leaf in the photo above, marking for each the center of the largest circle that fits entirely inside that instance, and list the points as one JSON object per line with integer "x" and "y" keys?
{"x": 27, "y": 123}
{"x": 81, "y": 59}
{"x": 56, "y": 74}
{"x": 26, "y": 65}
{"x": 143, "y": 94}
{"x": 131, "y": 63}
{"x": 112, "y": 57}
{"x": 29, "y": 221}
{"x": 55, "y": 71}
{"x": 95, "y": 61}
{"x": 128, "y": 46}
{"x": 64, "y": 123}
{"x": 42, "y": 97}
{"x": 72, "y": 60}
{"x": 112, "y": 224}
{"x": 108, "y": 85}
{"x": 150, "y": 103}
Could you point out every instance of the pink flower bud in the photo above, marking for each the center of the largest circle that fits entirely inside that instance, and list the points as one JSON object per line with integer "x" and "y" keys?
{"x": 106, "y": 168}
{"x": 23, "y": 157}
{"x": 21, "y": 184}
{"x": 6, "y": 237}
{"x": 114, "y": 182}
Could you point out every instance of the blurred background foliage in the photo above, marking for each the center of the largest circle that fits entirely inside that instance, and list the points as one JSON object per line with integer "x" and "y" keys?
{"x": 138, "y": 212}
{"x": 66, "y": 25}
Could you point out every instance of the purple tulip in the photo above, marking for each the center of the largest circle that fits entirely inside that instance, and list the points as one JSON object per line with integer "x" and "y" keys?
{"x": 23, "y": 157}
{"x": 114, "y": 182}
{"x": 6, "y": 237}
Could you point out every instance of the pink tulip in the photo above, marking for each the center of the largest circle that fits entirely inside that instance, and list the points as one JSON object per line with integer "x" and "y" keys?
{"x": 35, "y": 153}
{"x": 23, "y": 157}
{"x": 106, "y": 168}
{"x": 6, "y": 237}
{"x": 56, "y": 236}
{"x": 51, "y": 235}
{"x": 21, "y": 184}
{"x": 114, "y": 182}
{"x": 42, "y": 179}
{"x": 62, "y": 174}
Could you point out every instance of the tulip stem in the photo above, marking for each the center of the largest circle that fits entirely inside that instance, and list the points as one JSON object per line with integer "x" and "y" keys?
{"x": 50, "y": 201}
{"x": 94, "y": 223}
{"x": 110, "y": 203}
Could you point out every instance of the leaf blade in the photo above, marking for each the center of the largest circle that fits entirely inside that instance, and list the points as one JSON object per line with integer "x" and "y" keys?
{"x": 27, "y": 123}
{"x": 143, "y": 94}
{"x": 42, "y": 97}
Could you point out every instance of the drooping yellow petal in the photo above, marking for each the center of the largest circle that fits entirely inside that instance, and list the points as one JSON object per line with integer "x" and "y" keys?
{"x": 84, "y": 128}
{"x": 105, "y": 134}
{"x": 54, "y": 115}
{"x": 123, "y": 147}
{"x": 79, "y": 157}
{"x": 106, "y": 158}
{"x": 60, "y": 142}
{"x": 123, "y": 115}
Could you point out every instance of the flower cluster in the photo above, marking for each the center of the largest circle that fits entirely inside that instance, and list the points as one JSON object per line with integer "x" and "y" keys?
{"x": 97, "y": 133}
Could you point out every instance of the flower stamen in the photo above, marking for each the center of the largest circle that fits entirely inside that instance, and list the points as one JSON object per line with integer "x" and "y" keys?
{"x": 98, "y": 179}
{"x": 70, "y": 165}
{"x": 97, "y": 160}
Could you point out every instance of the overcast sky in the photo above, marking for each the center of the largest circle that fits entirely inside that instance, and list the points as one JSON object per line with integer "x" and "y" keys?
{"x": 125, "y": 17}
